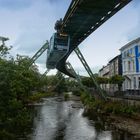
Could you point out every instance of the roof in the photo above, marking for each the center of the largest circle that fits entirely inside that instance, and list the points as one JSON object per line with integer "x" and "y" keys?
{"x": 130, "y": 43}
{"x": 114, "y": 58}
{"x": 104, "y": 67}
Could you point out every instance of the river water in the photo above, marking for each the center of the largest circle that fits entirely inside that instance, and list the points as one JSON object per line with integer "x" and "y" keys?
{"x": 58, "y": 120}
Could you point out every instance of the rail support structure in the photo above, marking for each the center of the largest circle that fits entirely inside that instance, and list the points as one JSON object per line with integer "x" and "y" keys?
{"x": 39, "y": 53}
{"x": 86, "y": 66}
{"x": 78, "y": 78}
{"x": 46, "y": 72}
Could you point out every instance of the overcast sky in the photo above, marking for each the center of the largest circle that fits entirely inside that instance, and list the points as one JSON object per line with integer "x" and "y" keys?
{"x": 29, "y": 23}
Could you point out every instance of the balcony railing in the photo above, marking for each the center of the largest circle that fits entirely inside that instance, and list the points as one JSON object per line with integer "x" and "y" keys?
{"x": 132, "y": 92}
{"x": 130, "y": 72}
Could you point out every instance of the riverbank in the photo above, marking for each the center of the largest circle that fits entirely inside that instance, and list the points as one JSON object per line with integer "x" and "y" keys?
{"x": 57, "y": 118}
{"x": 36, "y": 97}
{"x": 119, "y": 115}
{"x": 130, "y": 125}
{"x": 115, "y": 114}
{"x": 20, "y": 117}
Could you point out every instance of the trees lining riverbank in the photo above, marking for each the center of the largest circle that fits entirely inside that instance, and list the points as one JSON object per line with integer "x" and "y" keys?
{"x": 19, "y": 86}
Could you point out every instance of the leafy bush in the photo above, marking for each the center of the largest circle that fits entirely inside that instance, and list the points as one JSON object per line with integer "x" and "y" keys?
{"x": 66, "y": 96}
{"x": 77, "y": 92}
{"x": 37, "y": 96}
{"x": 108, "y": 107}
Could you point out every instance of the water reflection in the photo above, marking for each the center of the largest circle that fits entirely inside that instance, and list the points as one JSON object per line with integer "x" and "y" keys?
{"x": 57, "y": 120}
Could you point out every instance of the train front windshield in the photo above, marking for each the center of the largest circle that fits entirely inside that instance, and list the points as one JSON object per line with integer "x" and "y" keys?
{"x": 62, "y": 40}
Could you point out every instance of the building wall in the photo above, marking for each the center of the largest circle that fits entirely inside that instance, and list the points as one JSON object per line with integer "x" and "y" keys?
{"x": 131, "y": 65}
{"x": 113, "y": 68}
{"x": 104, "y": 72}
{"x": 126, "y": 64}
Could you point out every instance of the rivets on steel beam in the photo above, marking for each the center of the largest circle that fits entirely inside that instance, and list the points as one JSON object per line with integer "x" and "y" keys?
{"x": 117, "y": 5}
{"x": 109, "y": 12}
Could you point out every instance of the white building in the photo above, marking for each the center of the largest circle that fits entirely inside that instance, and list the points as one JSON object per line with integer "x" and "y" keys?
{"x": 131, "y": 65}
{"x": 104, "y": 72}
{"x": 114, "y": 67}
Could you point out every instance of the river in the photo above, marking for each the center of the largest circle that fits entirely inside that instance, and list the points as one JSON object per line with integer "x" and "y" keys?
{"x": 58, "y": 120}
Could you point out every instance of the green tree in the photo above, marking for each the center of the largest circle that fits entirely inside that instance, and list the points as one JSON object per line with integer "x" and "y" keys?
{"x": 117, "y": 79}
{"x": 87, "y": 81}
{"x": 4, "y": 50}
{"x": 102, "y": 80}
{"x": 16, "y": 85}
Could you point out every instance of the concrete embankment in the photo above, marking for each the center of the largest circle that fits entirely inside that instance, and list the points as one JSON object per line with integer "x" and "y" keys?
{"x": 131, "y": 125}
{"x": 128, "y": 123}
{"x": 131, "y": 102}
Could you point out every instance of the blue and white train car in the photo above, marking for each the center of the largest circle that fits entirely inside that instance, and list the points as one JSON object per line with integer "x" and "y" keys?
{"x": 58, "y": 48}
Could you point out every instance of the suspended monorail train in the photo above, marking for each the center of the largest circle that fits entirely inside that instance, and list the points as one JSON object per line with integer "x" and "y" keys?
{"x": 58, "y": 48}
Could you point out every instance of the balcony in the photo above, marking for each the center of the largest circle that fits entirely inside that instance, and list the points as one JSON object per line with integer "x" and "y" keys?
{"x": 130, "y": 73}
{"x": 132, "y": 94}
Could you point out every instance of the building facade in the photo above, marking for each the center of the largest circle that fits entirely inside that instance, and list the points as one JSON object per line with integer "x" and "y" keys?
{"x": 131, "y": 65}
{"x": 104, "y": 71}
{"x": 114, "y": 67}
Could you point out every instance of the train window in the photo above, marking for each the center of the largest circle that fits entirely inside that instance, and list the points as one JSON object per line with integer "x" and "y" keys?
{"x": 50, "y": 44}
{"x": 61, "y": 40}
{"x": 59, "y": 46}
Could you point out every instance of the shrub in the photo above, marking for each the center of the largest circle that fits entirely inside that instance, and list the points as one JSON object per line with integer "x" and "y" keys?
{"x": 66, "y": 96}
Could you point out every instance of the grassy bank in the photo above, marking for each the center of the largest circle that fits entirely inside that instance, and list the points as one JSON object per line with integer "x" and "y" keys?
{"x": 66, "y": 96}
{"x": 110, "y": 107}
{"x": 37, "y": 97}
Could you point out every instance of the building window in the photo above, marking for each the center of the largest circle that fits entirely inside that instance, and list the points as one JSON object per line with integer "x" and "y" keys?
{"x": 122, "y": 55}
{"x": 129, "y": 66}
{"x": 139, "y": 63}
{"x": 135, "y": 83}
{"x": 133, "y": 66}
{"x": 125, "y": 54}
{"x": 130, "y": 51}
{"x": 139, "y": 84}
{"x": 124, "y": 66}
{"x": 133, "y": 52}
{"x": 139, "y": 49}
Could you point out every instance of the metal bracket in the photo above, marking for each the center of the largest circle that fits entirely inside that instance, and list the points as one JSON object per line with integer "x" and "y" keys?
{"x": 86, "y": 66}
{"x": 39, "y": 53}
{"x": 78, "y": 78}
